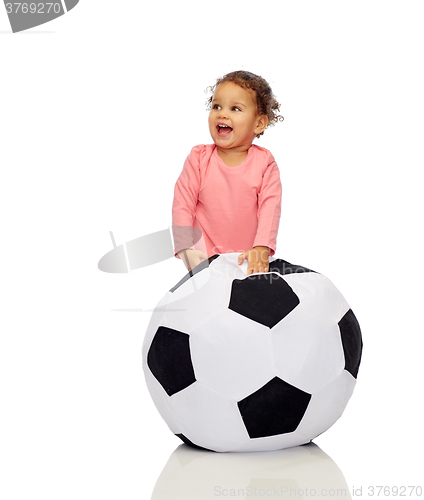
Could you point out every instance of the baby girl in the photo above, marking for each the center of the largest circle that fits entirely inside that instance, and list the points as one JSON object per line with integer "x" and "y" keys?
{"x": 230, "y": 190}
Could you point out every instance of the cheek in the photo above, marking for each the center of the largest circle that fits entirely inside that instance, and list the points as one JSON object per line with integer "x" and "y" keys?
{"x": 242, "y": 124}
{"x": 211, "y": 123}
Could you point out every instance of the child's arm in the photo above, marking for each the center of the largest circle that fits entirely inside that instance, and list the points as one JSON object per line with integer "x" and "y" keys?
{"x": 186, "y": 194}
{"x": 269, "y": 209}
{"x": 257, "y": 260}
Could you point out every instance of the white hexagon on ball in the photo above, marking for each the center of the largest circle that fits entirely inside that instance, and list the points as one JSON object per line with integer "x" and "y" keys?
{"x": 264, "y": 362}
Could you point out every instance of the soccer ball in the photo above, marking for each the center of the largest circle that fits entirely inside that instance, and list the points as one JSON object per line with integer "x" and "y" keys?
{"x": 251, "y": 363}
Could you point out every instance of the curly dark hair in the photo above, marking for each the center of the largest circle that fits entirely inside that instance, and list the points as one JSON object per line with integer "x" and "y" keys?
{"x": 265, "y": 99}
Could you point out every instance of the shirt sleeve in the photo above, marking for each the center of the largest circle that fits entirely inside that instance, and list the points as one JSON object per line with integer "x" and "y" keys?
{"x": 269, "y": 208}
{"x": 186, "y": 195}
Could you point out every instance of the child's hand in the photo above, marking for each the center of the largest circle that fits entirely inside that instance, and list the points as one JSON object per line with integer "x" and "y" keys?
{"x": 257, "y": 260}
{"x": 191, "y": 257}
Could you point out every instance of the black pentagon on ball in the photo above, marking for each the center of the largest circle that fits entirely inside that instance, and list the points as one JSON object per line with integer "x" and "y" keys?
{"x": 281, "y": 266}
{"x": 352, "y": 342}
{"x": 169, "y": 360}
{"x": 276, "y": 408}
{"x": 265, "y": 298}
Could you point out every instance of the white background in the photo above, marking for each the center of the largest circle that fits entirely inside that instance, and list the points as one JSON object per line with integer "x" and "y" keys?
{"x": 99, "y": 109}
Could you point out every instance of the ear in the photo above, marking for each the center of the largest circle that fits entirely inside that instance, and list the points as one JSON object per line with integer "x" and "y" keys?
{"x": 261, "y": 123}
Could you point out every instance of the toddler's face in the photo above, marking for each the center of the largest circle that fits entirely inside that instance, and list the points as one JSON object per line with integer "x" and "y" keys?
{"x": 233, "y": 119}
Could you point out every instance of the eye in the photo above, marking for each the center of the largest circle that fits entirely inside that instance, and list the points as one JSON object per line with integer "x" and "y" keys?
{"x": 236, "y": 108}
{"x": 216, "y": 106}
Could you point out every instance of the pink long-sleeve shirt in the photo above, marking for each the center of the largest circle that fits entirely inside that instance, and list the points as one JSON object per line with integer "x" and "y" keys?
{"x": 236, "y": 208}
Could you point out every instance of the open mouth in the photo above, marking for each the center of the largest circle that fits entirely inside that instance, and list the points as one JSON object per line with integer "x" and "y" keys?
{"x": 223, "y": 130}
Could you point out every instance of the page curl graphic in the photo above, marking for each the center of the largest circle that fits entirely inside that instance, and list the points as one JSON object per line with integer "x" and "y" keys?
{"x": 148, "y": 249}
{"x": 26, "y": 15}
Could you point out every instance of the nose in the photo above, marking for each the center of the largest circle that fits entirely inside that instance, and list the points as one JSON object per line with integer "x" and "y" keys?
{"x": 222, "y": 114}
